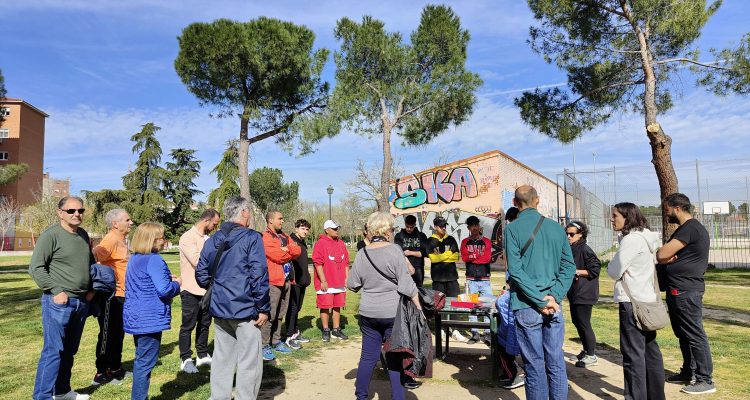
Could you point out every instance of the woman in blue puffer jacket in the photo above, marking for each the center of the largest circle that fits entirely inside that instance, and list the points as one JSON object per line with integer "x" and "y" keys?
{"x": 149, "y": 289}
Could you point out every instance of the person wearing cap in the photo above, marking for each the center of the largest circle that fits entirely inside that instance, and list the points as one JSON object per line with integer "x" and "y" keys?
{"x": 443, "y": 252}
{"x": 331, "y": 261}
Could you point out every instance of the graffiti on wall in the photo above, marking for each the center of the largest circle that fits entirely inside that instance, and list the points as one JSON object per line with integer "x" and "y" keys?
{"x": 435, "y": 186}
{"x": 491, "y": 227}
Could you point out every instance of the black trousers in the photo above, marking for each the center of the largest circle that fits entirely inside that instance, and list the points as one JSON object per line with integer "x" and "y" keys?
{"x": 418, "y": 276}
{"x": 686, "y": 317}
{"x": 296, "y": 297}
{"x": 580, "y": 314}
{"x": 642, "y": 363}
{"x": 450, "y": 288}
{"x": 193, "y": 317}
{"x": 508, "y": 367}
{"x": 111, "y": 335}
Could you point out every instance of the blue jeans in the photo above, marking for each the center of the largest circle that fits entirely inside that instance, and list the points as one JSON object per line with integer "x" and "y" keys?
{"x": 540, "y": 338}
{"x": 146, "y": 354}
{"x": 374, "y": 332}
{"x": 484, "y": 289}
{"x": 62, "y": 326}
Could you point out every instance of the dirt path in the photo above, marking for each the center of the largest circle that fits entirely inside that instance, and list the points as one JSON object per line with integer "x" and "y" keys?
{"x": 463, "y": 375}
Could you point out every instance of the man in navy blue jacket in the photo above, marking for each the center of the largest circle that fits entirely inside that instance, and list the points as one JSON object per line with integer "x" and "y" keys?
{"x": 239, "y": 303}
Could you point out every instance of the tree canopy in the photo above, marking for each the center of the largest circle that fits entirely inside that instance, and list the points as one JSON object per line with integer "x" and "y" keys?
{"x": 385, "y": 85}
{"x": 264, "y": 71}
{"x": 270, "y": 192}
{"x": 227, "y": 175}
{"x": 622, "y": 56}
{"x": 179, "y": 186}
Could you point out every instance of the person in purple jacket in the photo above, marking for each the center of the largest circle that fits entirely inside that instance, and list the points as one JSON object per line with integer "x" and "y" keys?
{"x": 149, "y": 289}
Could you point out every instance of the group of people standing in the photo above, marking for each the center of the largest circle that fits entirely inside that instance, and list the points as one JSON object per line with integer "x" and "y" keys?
{"x": 543, "y": 268}
{"x": 248, "y": 282}
{"x": 251, "y": 282}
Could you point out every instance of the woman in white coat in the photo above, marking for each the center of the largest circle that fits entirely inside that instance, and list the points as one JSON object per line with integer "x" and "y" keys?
{"x": 633, "y": 265}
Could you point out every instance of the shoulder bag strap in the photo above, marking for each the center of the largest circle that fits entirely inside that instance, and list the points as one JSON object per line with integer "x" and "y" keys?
{"x": 217, "y": 257}
{"x": 533, "y": 235}
{"x": 656, "y": 284}
{"x": 378, "y": 269}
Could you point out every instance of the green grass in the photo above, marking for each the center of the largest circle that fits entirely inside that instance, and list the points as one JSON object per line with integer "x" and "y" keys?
{"x": 21, "y": 333}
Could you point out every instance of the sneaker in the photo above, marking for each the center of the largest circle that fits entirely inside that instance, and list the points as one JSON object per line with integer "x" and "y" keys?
{"x": 457, "y": 336}
{"x": 685, "y": 377}
{"x": 188, "y": 367}
{"x": 338, "y": 334}
{"x": 71, "y": 396}
{"x": 578, "y": 357}
{"x": 281, "y": 347}
{"x": 298, "y": 337}
{"x": 516, "y": 382}
{"x": 410, "y": 383}
{"x": 587, "y": 361}
{"x": 326, "y": 335}
{"x": 101, "y": 378}
{"x": 118, "y": 376}
{"x": 201, "y": 361}
{"x": 268, "y": 353}
{"x": 293, "y": 343}
{"x": 699, "y": 388}
{"x": 474, "y": 339}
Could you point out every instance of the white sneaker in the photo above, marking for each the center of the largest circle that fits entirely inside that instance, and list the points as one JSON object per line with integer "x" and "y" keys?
{"x": 201, "y": 361}
{"x": 457, "y": 336}
{"x": 188, "y": 366}
{"x": 71, "y": 396}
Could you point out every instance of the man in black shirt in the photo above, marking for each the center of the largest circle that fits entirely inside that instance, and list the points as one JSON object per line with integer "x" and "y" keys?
{"x": 684, "y": 260}
{"x": 414, "y": 243}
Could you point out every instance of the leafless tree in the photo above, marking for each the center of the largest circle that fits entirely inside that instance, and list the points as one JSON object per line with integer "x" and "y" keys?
{"x": 8, "y": 214}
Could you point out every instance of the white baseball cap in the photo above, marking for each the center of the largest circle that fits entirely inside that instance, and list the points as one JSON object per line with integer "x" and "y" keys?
{"x": 330, "y": 224}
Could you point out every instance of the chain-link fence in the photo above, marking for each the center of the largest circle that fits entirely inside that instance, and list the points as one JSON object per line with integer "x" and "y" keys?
{"x": 718, "y": 189}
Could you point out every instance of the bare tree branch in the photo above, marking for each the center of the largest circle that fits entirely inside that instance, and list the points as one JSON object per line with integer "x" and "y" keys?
{"x": 687, "y": 60}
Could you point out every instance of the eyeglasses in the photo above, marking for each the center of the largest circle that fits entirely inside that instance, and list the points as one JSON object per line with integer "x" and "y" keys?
{"x": 72, "y": 211}
{"x": 571, "y": 234}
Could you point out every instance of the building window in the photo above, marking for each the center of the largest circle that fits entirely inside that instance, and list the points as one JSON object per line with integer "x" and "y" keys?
{"x": 5, "y": 111}
{"x": 4, "y": 133}
{"x": 3, "y": 156}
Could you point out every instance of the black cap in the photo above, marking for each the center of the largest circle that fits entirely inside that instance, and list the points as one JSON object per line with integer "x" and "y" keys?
{"x": 439, "y": 221}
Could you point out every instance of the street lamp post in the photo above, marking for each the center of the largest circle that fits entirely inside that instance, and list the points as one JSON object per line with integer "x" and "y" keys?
{"x": 330, "y": 193}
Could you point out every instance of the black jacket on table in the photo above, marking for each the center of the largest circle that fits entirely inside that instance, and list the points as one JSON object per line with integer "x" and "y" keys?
{"x": 301, "y": 271}
{"x": 585, "y": 290}
{"x": 415, "y": 241}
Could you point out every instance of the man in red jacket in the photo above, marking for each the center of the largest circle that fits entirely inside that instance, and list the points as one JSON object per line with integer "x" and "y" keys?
{"x": 331, "y": 260}
{"x": 280, "y": 251}
{"x": 476, "y": 252}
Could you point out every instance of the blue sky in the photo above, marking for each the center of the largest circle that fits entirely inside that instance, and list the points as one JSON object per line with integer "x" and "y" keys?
{"x": 103, "y": 68}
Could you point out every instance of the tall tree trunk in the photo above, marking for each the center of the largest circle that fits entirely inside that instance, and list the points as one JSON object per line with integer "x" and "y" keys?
{"x": 385, "y": 174}
{"x": 661, "y": 143}
{"x": 243, "y": 155}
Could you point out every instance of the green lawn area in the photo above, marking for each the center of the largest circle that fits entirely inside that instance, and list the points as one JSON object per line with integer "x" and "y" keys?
{"x": 20, "y": 330}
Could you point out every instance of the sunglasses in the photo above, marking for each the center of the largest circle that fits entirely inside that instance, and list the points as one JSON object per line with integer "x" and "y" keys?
{"x": 72, "y": 211}
{"x": 571, "y": 234}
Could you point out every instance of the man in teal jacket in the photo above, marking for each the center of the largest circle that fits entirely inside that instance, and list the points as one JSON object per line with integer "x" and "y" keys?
{"x": 541, "y": 271}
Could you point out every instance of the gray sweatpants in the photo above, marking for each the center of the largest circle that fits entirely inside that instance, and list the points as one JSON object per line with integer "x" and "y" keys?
{"x": 236, "y": 344}
{"x": 271, "y": 331}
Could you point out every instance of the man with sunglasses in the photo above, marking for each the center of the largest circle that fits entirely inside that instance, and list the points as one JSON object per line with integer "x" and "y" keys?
{"x": 60, "y": 267}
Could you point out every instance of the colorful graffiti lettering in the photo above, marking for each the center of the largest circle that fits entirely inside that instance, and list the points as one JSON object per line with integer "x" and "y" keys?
{"x": 433, "y": 187}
